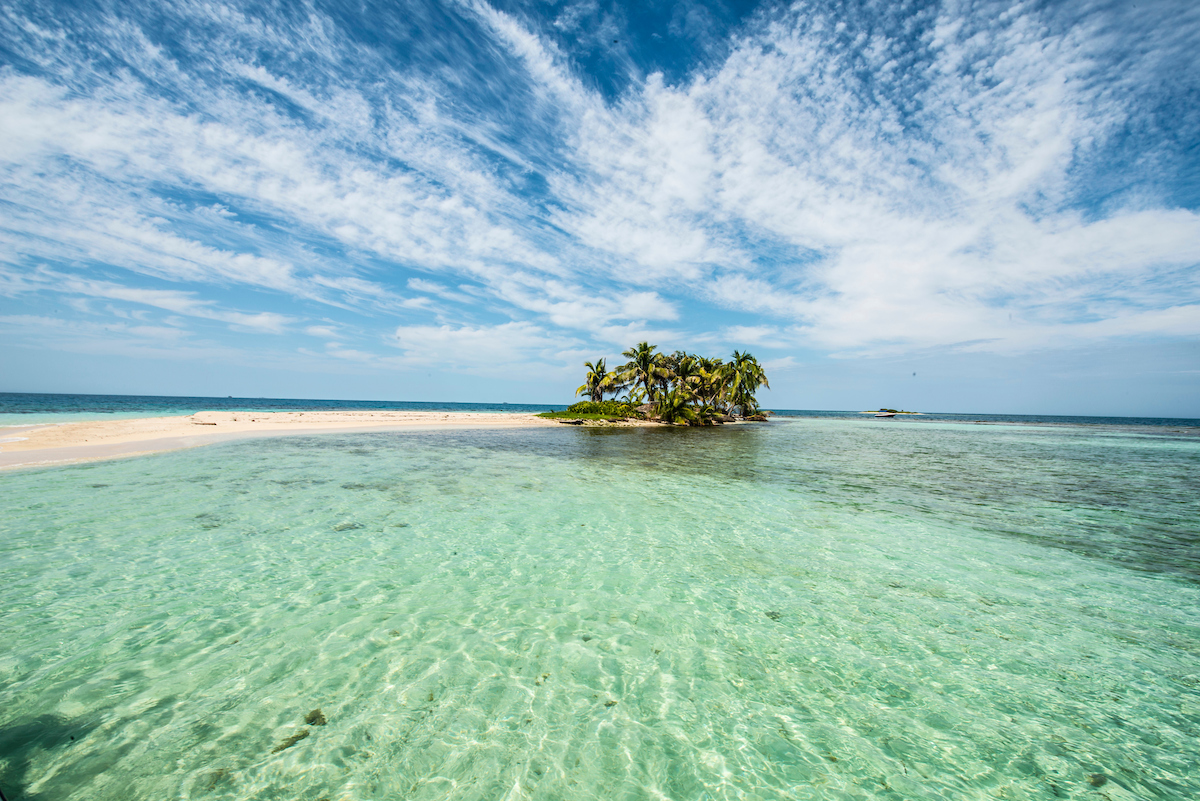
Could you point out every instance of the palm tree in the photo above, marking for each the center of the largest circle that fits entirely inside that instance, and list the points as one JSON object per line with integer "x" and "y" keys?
{"x": 687, "y": 375}
{"x": 746, "y": 376}
{"x": 598, "y": 381}
{"x": 714, "y": 381}
{"x": 672, "y": 407}
{"x": 669, "y": 363}
{"x": 644, "y": 367}
{"x": 634, "y": 395}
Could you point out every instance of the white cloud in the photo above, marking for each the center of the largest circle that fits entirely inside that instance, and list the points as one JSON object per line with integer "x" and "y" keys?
{"x": 486, "y": 349}
{"x": 184, "y": 303}
{"x": 104, "y": 150}
{"x": 781, "y": 364}
{"x": 852, "y": 191}
{"x": 350, "y": 354}
{"x": 927, "y": 229}
{"x": 434, "y": 288}
{"x": 572, "y": 307}
{"x": 743, "y": 335}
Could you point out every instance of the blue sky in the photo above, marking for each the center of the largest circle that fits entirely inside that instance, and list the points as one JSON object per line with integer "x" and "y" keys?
{"x": 957, "y": 206}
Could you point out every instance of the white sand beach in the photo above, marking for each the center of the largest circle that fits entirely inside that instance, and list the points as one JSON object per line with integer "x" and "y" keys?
{"x": 108, "y": 439}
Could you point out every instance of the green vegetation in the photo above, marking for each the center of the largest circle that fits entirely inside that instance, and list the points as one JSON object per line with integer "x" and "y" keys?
{"x": 579, "y": 416}
{"x": 597, "y": 382}
{"x": 680, "y": 388}
{"x": 609, "y": 407}
{"x": 644, "y": 367}
{"x": 596, "y": 410}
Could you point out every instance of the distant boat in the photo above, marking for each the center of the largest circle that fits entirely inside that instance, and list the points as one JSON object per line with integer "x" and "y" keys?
{"x": 886, "y": 414}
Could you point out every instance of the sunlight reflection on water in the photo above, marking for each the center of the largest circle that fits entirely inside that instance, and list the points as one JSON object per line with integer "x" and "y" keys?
{"x": 813, "y": 608}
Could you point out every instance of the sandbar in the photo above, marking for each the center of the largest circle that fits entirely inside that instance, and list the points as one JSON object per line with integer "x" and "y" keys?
{"x": 62, "y": 443}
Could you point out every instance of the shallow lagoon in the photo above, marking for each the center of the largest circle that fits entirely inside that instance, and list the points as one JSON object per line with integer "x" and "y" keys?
{"x": 804, "y": 609}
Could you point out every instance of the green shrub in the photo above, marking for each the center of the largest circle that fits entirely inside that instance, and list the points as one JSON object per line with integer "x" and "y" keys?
{"x": 577, "y": 416}
{"x": 609, "y": 408}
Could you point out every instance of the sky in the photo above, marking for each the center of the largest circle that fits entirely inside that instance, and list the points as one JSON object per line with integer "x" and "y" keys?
{"x": 956, "y": 206}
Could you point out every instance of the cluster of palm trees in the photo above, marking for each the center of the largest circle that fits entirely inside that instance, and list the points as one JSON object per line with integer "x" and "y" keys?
{"x": 681, "y": 387}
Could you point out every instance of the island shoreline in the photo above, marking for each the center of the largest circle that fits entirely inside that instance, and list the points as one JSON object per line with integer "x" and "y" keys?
{"x": 56, "y": 444}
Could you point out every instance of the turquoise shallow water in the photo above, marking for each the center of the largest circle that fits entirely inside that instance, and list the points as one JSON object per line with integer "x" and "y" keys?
{"x": 824, "y": 609}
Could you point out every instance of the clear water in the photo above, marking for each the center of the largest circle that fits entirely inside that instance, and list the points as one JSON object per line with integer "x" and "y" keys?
{"x": 824, "y": 609}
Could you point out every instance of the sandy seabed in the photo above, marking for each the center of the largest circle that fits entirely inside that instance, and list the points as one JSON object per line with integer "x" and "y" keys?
{"x": 48, "y": 444}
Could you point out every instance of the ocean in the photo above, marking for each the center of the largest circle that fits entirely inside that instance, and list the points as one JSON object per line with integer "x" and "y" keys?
{"x": 21, "y": 409}
{"x": 825, "y": 606}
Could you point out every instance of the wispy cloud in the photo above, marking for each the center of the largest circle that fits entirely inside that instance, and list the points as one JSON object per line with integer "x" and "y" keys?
{"x": 495, "y": 350}
{"x": 876, "y": 179}
{"x": 184, "y": 303}
{"x": 923, "y": 205}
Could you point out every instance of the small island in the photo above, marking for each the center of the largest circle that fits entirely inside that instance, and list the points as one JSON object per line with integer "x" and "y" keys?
{"x": 673, "y": 389}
